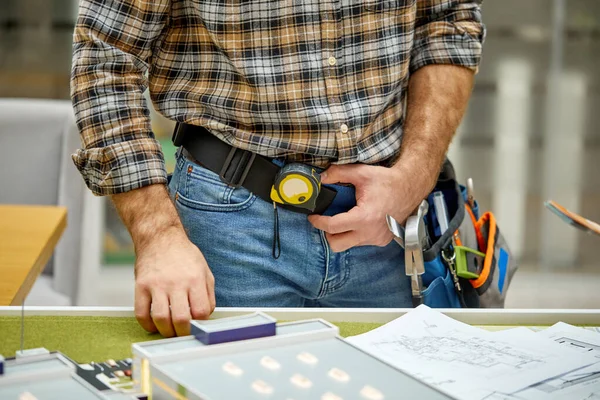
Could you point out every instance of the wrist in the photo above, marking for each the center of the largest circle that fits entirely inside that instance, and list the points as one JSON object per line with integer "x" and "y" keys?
{"x": 422, "y": 171}
{"x": 157, "y": 234}
{"x": 149, "y": 215}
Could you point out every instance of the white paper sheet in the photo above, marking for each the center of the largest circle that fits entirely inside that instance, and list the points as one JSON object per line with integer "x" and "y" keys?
{"x": 582, "y": 384}
{"x": 580, "y": 339}
{"x": 464, "y": 361}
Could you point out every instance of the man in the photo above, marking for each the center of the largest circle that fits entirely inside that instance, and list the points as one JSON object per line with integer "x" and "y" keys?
{"x": 371, "y": 91}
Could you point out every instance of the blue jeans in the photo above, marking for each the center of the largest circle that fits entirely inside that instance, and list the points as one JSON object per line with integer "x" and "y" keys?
{"x": 234, "y": 230}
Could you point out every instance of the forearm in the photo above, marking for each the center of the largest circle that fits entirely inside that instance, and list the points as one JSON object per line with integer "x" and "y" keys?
{"x": 173, "y": 283}
{"x": 437, "y": 99}
{"x": 148, "y": 213}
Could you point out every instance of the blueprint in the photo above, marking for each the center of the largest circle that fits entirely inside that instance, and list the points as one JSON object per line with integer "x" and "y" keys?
{"x": 468, "y": 362}
{"x": 580, "y": 339}
{"x": 582, "y": 384}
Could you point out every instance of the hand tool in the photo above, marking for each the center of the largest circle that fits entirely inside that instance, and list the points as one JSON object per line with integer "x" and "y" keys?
{"x": 448, "y": 254}
{"x": 298, "y": 185}
{"x": 457, "y": 260}
{"x": 396, "y": 229}
{"x": 441, "y": 211}
{"x": 572, "y": 218}
{"x": 470, "y": 193}
{"x": 415, "y": 240}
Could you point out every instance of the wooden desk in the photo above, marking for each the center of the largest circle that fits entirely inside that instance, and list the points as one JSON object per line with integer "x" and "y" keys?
{"x": 28, "y": 235}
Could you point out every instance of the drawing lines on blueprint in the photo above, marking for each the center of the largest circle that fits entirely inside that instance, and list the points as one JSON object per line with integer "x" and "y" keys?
{"x": 458, "y": 350}
{"x": 560, "y": 383}
{"x": 455, "y": 347}
{"x": 578, "y": 345}
{"x": 437, "y": 382}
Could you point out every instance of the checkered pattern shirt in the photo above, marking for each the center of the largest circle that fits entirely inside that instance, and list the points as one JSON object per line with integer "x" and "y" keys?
{"x": 314, "y": 81}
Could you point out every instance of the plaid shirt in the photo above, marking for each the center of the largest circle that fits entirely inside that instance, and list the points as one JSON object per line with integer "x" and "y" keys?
{"x": 314, "y": 81}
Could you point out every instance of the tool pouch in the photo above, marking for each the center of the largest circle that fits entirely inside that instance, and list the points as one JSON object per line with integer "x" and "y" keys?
{"x": 443, "y": 287}
{"x": 499, "y": 264}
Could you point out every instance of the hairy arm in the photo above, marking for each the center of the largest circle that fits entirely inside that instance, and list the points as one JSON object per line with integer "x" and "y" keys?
{"x": 447, "y": 50}
{"x": 172, "y": 280}
{"x": 148, "y": 214}
{"x": 437, "y": 99}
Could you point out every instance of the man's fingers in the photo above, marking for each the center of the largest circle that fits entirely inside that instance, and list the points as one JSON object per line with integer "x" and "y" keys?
{"x": 210, "y": 289}
{"x": 199, "y": 302}
{"x": 161, "y": 315}
{"x": 341, "y": 174}
{"x": 180, "y": 312}
{"x": 343, "y": 241}
{"x": 344, "y": 222}
{"x": 142, "y": 309}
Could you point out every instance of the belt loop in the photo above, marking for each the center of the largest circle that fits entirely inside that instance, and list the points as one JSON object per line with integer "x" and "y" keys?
{"x": 246, "y": 159}
{"x": 178, "y": 135}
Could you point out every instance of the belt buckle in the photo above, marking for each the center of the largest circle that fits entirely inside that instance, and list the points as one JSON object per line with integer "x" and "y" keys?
{"x": 246, "y": 158}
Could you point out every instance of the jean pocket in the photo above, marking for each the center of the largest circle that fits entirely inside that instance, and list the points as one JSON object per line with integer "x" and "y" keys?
{"x": 202, "y": 189}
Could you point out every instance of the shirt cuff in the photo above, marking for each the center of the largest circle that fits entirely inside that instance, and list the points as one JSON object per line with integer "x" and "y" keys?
{"x": 122, "y": 167}
{"x": 458, "y": 48}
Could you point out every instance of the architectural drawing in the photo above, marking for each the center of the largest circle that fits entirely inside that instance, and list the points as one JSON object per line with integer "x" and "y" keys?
{"x": 457, "y": 347}
{"x": 579, "y": 345}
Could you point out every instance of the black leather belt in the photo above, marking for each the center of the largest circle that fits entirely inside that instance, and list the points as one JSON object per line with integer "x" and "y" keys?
{"x": 238, "y": 167}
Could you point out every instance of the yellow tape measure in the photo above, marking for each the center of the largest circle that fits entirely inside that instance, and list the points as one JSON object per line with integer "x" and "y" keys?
{"x": 297, "y": 185}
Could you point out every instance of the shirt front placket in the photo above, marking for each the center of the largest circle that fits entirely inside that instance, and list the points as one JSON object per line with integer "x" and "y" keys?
{"x": 331, "y": 28}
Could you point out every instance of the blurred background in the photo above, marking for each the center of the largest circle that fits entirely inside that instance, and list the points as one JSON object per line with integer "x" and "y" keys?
{"x": 530, "y": 134}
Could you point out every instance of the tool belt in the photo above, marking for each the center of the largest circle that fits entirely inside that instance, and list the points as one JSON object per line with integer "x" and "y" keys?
{"x": 238, "y": 167}
{"x": 477, "y": 272}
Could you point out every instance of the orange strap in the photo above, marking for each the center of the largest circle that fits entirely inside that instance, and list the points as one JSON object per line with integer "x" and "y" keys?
{"x": 480, "y": 238}
{"x": 489, "y": 249}
{"x": 457, "y": 238}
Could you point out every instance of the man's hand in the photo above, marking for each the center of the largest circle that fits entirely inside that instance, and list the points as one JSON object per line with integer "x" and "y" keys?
{"x": 437, "y": 99}
{"x": 173, "y": 283}
{"x": 379, "y": 191}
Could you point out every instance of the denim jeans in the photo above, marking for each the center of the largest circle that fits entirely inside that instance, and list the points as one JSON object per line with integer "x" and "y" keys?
{"x": 234, "y": 230}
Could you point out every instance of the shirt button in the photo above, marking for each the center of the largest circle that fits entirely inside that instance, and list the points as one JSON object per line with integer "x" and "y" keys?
{"x": 332, "y": 61}
{"x": 344, "y": 128}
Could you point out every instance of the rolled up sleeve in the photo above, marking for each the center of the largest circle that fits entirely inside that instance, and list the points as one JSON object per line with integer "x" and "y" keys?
{"x": 448, "y": 32}
{"x": 112, "y": 43}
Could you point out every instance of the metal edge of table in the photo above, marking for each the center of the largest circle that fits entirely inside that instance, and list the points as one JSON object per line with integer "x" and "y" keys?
{"x": 525, "y": 317}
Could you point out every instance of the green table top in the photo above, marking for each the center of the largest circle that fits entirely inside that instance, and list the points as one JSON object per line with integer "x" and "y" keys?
{"x": 86, "y": 339}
